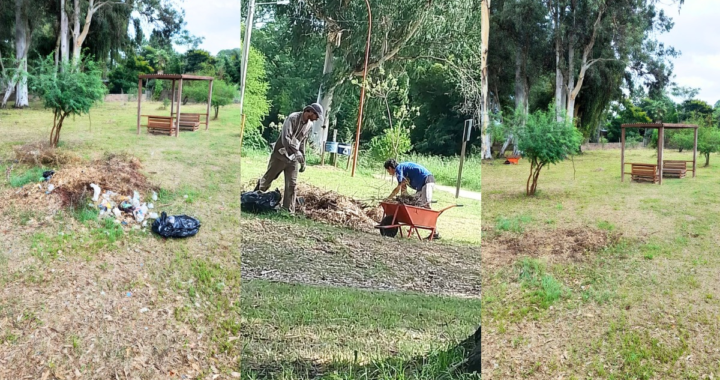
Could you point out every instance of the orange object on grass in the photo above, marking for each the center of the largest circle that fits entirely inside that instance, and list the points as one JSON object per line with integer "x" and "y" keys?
{"x": 514, "y": 160}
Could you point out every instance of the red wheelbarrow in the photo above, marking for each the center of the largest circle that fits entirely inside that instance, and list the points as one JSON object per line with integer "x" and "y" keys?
{"x": 397, "y": 215}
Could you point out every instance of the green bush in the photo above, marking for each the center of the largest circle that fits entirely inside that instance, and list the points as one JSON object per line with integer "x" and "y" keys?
{"x": 544, "y": 140}
{"x": 391, "y": 143}
{"x": 72, "y": 91}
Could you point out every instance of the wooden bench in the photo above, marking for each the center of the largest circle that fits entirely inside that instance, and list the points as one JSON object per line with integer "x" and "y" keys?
{"x": 644, "y": 172}
{"x": 676, "y": 169}
{"x": 160, "y": 125}
{"x": 190, "y": 121}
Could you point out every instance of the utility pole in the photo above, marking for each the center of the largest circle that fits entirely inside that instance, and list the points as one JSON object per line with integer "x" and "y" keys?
{"x": 246, "y": 52}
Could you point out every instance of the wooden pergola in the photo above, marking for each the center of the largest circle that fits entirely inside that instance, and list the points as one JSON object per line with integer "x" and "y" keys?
{"x": 180, "y": 78}
{"x": 660, "y": 146}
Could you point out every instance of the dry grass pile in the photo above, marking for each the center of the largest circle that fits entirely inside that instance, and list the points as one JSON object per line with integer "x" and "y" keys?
{"x": 39, "y": 154}
{"x": 410, "y": 200}
{"x": 330, "y": 207}
{"x": 119, "y": 174}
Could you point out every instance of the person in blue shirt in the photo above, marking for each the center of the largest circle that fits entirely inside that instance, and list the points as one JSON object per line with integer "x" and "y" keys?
{"x": 410, "y": 174}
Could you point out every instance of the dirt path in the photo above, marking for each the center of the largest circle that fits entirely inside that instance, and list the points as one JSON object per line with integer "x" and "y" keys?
{"x": 448, "y": 189}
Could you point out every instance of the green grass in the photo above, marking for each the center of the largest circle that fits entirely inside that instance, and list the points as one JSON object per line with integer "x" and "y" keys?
{"x": 33, "y": 174}
{"x": 607, "y": 308}
{"x": 513, "y": 224}
{"x": 354, "y": 327}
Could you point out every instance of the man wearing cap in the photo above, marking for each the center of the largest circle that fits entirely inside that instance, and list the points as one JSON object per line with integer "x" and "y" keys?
{"x": 288, "y": 155}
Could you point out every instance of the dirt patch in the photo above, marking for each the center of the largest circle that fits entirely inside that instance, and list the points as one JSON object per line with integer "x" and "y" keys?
{"x": 558, "y": 245}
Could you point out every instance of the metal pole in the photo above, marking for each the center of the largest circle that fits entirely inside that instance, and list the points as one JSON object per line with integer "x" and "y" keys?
{"x": 139, "y": 104}
{"x": 362, "y": 91}
{"x": 246, "y": 52}
{"x": 466, "y": 138}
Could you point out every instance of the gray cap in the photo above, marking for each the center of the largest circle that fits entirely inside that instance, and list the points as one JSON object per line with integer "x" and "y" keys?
{"x": 315, "y": 107}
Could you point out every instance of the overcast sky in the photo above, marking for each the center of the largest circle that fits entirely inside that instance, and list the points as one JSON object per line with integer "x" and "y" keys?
{"x": 695, "y": 34}
{"x": 216, "y": 20}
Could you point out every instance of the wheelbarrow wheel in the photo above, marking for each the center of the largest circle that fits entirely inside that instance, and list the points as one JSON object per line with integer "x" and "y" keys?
{"x": 389, "y": 232}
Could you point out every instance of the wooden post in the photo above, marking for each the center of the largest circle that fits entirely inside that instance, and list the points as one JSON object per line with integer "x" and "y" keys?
{"x": 139, "y": 102}
{"x": 207, "y": 114}
{"x": 322, "y": 155}
{"x": 661, "y": 147}
{"x": 695, "y": 152}
{"x": 466, "y": 137}
{"x": 177, "y": 120}
{"x": 172, "y": 98}
{"x": 622, "y": 154}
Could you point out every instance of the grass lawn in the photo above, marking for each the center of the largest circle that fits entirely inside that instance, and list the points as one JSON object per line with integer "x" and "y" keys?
{"x": 596, "y": 278}
{"x": 80, "y": 295}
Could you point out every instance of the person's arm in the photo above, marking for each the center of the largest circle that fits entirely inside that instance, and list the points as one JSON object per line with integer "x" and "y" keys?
{"x": 402, "y": 186}
{"x": 286, "y": 135}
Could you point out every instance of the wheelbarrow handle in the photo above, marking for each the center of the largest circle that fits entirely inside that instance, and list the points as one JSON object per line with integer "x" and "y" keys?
{"x": 448, "y": 207}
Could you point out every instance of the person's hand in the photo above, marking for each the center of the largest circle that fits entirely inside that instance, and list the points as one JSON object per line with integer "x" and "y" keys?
{"x": 302, "y": 167}
{"x": 300, "y": 158}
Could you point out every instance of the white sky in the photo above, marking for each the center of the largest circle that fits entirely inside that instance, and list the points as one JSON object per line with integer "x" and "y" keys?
{"x": 695, "y": 34}
{"x": 216, "y": 20}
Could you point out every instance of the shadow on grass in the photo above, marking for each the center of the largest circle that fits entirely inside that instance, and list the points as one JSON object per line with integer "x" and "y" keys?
{"x": 461, "y": 361}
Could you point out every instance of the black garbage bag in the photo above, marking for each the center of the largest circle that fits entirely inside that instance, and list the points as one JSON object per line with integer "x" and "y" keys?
{"x": 175, "y": 226}
{"x": 258, "y": 202}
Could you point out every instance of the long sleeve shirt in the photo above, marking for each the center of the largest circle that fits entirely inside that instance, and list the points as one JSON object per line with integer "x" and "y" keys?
{"x": 293, "y": 136}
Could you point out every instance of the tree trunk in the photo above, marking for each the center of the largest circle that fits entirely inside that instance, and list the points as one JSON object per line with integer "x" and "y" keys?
{"x": 559, "y": 79}
{"x": 585, "y": 65}
{"x": 707, "y": 159}
{"x": 64, "y": 32}
{"x": 217, "y": 110}
{"x": 22, "y": 44}
{"x": 485, "y": 35}
{"x": 76, "y": 30}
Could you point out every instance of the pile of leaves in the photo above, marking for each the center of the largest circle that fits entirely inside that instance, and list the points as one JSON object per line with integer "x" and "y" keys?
{"x": 70, "y": 184}
{"x": 43, "y": 154}
{"x": 330, "y": 207}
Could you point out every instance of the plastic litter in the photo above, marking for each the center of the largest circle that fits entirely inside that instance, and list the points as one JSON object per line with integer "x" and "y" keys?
{"x": 47, "y": 175}
{"x": 96, "y": 193}
{"x": 51, "y": 187}
{"x": 176, "y": 226}
{"x": 153, "y": 215}
{"x": 154, "y": 196}
{"x": 259, "y": 202}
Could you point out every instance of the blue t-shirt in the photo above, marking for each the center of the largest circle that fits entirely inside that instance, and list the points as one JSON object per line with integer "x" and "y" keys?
{"x": 415, "y": 174}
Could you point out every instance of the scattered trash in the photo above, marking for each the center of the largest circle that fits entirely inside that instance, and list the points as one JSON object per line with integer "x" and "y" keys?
{"x": 50, "y": 189}
{"x": 153, "y": 215}
{"x": 47, "y": 175}
{"x": 154, "y": 196}
{"x": 144, "y": 310}
{"x": 259, "y": 202}
{"x": 150, "y": 206}
{"x": 178, "y": 226}
{"x": 128, "y": 294}
{"x": 96, "y": 193}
